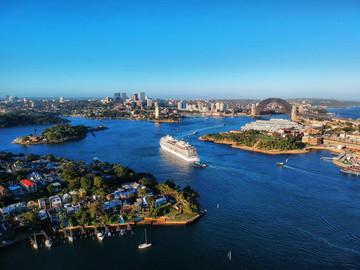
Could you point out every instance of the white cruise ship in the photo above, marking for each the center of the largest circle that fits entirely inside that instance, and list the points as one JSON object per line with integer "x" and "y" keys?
{"x": 180, "y": 149}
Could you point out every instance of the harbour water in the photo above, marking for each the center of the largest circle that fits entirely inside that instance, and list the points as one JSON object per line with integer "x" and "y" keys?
{"x": 302, "y": 216}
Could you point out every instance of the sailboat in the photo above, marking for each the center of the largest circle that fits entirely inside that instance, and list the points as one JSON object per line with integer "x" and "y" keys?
{"x": 48, "y": 243}
{"x": 146, "y": 244}
{"x": 229, "y": 255}
{"x": 100, "y": 236}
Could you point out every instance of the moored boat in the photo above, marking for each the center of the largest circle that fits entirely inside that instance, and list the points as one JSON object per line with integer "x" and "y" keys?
{"x": 145, "y": 244}
{"x": 48, "y": 243}
{"x": 100, "y": 236}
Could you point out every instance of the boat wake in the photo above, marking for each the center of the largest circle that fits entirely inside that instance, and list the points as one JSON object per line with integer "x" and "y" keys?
{"x": 307, "y": 171}
{"x": 195, "y": 131}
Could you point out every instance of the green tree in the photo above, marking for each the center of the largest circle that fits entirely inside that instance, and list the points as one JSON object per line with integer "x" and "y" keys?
{"x": 50, "y": 189}
{"x": 98, "y": 182}
{"x": 85, "y": 183}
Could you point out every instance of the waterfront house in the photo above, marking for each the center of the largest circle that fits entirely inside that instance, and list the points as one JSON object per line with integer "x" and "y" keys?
{"x": 160, "y": 201}
{"x": 15, "y": 190}
{"x": 55, "y": 201}
{"x": 111, "y": 205}
{"x": 28, "y": 185}
{"x": 124, "y": 193}
{"x": 43, "y": 203}
{"x": 71, "y": 209}
{"x": 13, "y": 209}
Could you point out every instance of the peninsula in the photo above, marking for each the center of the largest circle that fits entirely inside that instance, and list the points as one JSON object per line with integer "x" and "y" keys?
{"x": 58, "y": 134}
{"x": 55, "y": 195}
{"x": 257, "y": 141}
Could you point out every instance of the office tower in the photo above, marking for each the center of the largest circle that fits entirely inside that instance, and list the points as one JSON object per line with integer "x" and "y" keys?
{"x": 157, "y": 110}
{"x": 142, "y": 96}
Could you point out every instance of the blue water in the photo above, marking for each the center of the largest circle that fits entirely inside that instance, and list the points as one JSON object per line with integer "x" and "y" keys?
{"x": 351, "y": 112}
{"x": 303, "y": 216}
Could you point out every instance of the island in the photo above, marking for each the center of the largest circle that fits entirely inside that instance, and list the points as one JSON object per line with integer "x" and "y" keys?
{"x": 46, "y": 197}
{"x": 58, "y": 134}
{"x": 22, "y": 118}
{"x": 259, "y": 141}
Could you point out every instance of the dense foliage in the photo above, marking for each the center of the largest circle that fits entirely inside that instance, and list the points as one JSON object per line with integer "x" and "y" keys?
{"x": 64, "y": 132}
{"x": 261, "y": 140}
{"x": 20, "y": 118}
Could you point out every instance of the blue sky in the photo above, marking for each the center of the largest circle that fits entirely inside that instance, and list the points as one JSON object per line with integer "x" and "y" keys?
{"x": 210, "y": 49}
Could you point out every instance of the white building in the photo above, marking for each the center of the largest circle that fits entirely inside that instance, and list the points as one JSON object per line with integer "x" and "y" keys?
{"x": 157, "y": 110}
{"x": 272, "y": 125}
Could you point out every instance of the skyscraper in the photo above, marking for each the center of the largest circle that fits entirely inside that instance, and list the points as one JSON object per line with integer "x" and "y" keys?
{"x": 157, "y": 110}
{"x": 117, "y": 96}
{"x": 142, "y": 96}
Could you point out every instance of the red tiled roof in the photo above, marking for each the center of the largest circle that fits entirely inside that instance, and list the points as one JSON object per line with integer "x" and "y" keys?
{"x": 27, "y": 183}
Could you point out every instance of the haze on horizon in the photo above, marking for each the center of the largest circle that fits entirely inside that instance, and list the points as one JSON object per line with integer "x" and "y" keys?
{"x": 187, "y": 49}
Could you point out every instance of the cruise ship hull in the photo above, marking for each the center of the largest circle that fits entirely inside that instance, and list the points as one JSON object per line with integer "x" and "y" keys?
{"x": 179, "y": 155}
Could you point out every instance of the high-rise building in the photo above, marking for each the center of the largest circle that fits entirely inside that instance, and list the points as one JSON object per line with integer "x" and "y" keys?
{"x": 123, "y": 96}
{"x": 142, "y": 96}
{"x": 253, "y": 110}
{"x": 135, "y": 97}
{"x": 181, "y": 105}
{"x": 117, "y": 96}
{"x": 149, "y": 102}
{"x": 157, "y": 110}
{"x": 294, "y": 116}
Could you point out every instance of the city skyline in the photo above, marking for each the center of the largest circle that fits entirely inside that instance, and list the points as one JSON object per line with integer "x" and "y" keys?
{"x": 189, "y": 50}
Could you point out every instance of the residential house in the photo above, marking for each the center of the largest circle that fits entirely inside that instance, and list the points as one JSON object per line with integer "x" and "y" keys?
{"x": 55, "y": 201}
{"x": 13, "y": 209}
{"x": 160, "y": 201}
{"x": 15, "y": 190}
{"x": 43, "y": 203}
{"x": 28, "y": 185}
{"x": 111, "y": 205}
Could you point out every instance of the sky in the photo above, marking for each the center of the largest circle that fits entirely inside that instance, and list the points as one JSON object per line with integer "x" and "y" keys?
{"x": 181, "y": 49}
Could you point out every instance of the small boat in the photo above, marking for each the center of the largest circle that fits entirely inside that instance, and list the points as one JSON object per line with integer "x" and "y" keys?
{"x": 194, "y": 133}
{"x": 100, "y": 236}
{"x": 34, "y": 242}
{"x": 48, "y": 243}
{"x": 229, "y": 255}
{"x": 146, "y": 244}
{"x": 198, "y": 164}
{"x": 280, "y": 164}
{"x": 35, "y": 245}
{"x": 70, "y": 239}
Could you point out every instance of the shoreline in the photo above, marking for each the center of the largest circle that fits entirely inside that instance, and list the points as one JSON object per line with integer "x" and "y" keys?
{"x": 124, "y": 118}
{"x": 257, "y": 150}
{"x": 305, "y": 150}
{"x": 159, "y": 221}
